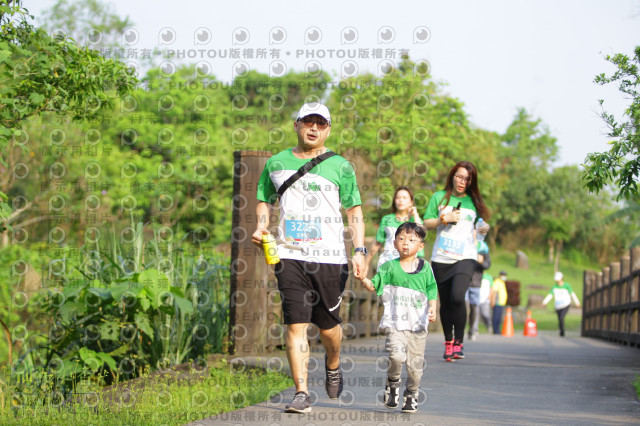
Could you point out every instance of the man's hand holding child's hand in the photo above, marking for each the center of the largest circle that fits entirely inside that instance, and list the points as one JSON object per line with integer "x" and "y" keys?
{"x": 366, "y": 283}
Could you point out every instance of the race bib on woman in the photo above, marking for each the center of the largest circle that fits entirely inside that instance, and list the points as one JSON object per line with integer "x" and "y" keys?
{"x": 451, "y": 244}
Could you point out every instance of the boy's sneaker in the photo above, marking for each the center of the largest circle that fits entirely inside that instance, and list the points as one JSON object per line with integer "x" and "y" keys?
{"x": 301, "y": 403}
{"x": 448, "y": 351}
{"x": 457, "y": 350}
{"x": 333, "y": 381}
{"x": 391, "y": 395}
{"x": 410, "y": 403}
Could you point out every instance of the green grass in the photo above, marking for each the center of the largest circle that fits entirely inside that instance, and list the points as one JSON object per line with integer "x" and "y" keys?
{"x": 636, "y": 384}
{"x": 540, "y": 271}
{"x": 163, "y": 402}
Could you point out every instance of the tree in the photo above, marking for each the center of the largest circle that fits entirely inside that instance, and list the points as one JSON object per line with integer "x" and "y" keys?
{"x": 88, "y": 22}
{"x": 42, "y": 73}
{"x": 400, "y": 129}
{"x": 570, "y": 209}
{"x": 528, "y": 150}
{"x": 631, "y": 214}
{"x": 622, "y": 162}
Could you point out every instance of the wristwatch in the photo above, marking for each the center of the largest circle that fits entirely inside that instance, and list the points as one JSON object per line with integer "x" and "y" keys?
{"x": 362, "y": 250}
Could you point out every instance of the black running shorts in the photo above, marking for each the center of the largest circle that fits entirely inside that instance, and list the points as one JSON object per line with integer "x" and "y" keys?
{"x": 311, "y": 292}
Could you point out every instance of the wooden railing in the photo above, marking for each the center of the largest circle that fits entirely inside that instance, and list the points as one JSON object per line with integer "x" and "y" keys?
{"x": 611, "y": 306}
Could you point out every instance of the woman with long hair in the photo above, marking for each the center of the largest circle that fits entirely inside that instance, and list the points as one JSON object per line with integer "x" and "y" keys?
{"x": 454, "y": 212}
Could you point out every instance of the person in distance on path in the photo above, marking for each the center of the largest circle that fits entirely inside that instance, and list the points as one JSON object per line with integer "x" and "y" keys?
{"x": 498, "y": 299}
{"x": 563, "y": 294}
{"x": 476, "y": 302}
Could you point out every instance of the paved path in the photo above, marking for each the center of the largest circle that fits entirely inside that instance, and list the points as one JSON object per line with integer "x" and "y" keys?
{"x": 517, "y": 380}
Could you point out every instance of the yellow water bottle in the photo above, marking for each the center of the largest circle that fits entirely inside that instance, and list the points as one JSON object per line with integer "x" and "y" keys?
{"x": 270, "y": 249}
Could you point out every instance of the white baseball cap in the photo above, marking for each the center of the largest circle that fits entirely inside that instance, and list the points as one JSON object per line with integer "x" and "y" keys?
{"x": 314, "y": 108}
{"x": 557, "y": 276}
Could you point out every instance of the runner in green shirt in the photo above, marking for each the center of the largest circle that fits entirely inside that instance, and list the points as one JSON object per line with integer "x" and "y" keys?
{"x": 408, "y": 291}
{"x": 310, "y": 242}
{"x": 453, "y": 213}
{"x": 563, "y": 294}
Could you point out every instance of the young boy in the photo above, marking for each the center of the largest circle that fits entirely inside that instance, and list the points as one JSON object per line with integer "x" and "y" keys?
{"x": 409, "y": 292}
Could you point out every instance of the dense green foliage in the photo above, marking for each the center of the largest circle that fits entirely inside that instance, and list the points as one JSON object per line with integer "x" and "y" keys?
{"x": 622, "y": 162}
{"x": 165, "y": 155}
{"x": 111, "y": 312}
{"x": 117, "y": 224}
{"x": 44, "y": 73}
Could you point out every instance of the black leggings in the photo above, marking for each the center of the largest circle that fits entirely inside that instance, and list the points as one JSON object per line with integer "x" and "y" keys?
{"x": 453, "y": 310}
{"x": 561, "y": 314}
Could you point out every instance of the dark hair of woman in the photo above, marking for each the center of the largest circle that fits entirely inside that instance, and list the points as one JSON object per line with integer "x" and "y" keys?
{"x": 472, "y": 188}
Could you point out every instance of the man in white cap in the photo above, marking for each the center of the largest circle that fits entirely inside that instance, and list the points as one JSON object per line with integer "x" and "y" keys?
{"x": 563, "y": 293}
{"x": 312, "y": 183}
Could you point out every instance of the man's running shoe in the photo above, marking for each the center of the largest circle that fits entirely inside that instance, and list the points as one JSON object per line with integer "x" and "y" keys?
{"x": 301, "y": 403}
{"x": 391, "y": 395}
{"x": 448, "y": 351}
{"x": 333, "y": 380}
{"x": 457, "y": 350}
{"x": 410, "y": 404}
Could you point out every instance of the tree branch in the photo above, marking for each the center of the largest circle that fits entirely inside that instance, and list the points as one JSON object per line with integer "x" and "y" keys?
{"x": 17, "y": 213}
{"x": 34, "y": 220}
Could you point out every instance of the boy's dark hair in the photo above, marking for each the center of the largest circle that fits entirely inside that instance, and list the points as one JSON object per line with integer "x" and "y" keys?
{"x": 411, "y": 228}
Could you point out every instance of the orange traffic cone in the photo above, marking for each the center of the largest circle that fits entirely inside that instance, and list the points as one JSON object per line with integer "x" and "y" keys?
{"x": 530, "y": 326}
{"x": 507, "y": 327}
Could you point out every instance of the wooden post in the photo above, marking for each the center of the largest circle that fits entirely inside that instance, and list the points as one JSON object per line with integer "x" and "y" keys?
{"x": 606, "y": 295}
{"x": 615, "y": 295}
{"x": 599, "y": 300}
{"x": 625, "y": 274}
{"x": 585, "y": 300}
{"x": 634, "y": 289}
{"x": 615, "y": 288}
{"x": 249, "y": 301}
{"x": 588, "y": 305}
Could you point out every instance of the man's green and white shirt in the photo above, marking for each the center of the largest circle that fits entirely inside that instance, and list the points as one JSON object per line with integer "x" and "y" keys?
{"x": 310, "y": 226}
{"x": 405, "y": 296}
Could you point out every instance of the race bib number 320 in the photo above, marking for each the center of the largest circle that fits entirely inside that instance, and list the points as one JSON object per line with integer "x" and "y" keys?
{"x": 301, "y": 231}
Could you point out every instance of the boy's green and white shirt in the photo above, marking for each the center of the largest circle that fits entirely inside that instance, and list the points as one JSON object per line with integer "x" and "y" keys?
{"x": 310, "y": 226}
{"x": 453, "y": 242}
{"x": 405, "y": 296}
